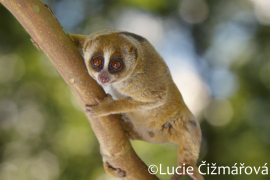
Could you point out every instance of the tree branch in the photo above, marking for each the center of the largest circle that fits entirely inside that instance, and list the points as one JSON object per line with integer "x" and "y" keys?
{"x": 49, "y": 36}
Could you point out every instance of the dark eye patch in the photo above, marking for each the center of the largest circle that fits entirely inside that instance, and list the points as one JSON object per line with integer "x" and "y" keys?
{"x": 97, "y": 62}
{"x": 115, "y": 65}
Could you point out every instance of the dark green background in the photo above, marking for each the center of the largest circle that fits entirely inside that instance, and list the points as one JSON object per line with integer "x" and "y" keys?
{"x": 44, "y": 134}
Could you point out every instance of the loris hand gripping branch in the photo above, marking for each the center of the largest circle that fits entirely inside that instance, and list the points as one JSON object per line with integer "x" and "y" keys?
{"x": 151, "y": 105}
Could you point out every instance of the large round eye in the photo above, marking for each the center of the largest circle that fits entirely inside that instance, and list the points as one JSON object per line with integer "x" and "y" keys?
{"x": 116, "y": 65}
{"x": 97, "y": 63}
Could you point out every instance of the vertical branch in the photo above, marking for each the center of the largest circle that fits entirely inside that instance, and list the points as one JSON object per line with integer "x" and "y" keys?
{"x": 49, "y": 36}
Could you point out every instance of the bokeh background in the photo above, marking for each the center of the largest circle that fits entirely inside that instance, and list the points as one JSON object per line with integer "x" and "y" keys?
{"x": 218, "y": 52}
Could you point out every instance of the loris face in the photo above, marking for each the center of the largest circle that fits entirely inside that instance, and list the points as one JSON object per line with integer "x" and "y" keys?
{"x": 110, "y": 58}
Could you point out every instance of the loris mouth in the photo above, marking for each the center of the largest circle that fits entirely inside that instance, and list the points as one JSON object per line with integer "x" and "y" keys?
{"x": 104, "y": 84}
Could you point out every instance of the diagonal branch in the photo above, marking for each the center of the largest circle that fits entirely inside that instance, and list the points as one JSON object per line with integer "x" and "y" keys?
{"x": 49, "y": 36}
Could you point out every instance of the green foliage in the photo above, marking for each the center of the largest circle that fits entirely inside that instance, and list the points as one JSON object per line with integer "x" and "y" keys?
{"x": 44, "y": 134}
{"x": 153, "y": 5}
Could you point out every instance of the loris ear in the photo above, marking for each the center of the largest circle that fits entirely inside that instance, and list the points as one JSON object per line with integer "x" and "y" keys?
{"x": 78, "y": 39}
{"x": 133, "y": 50}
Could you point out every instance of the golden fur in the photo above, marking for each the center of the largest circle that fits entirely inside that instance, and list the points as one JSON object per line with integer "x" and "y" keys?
{"x": 151, "y": 105}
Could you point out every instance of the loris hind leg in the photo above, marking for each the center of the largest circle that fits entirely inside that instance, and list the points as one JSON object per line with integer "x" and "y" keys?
{"x": 187, "y": 159}
{"x": 188, "y": 153}
{"x": 186, "y": 133}
{"x": 129, "y": 129}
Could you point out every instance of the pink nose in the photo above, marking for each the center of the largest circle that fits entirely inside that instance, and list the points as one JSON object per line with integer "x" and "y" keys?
{"x": 103, "y": 79}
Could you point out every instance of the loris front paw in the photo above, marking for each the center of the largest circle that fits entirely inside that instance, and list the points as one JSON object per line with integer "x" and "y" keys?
{"x": 102, "y": 108}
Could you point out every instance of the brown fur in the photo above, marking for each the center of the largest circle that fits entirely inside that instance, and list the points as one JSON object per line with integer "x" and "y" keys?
{"x": 151, "y": 104}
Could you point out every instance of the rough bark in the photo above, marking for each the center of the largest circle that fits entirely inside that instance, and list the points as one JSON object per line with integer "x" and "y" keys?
{"x": 49, "y": 36}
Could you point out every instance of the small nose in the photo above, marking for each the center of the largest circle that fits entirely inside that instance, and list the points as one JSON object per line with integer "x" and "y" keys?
{"x": 103, "y": 79}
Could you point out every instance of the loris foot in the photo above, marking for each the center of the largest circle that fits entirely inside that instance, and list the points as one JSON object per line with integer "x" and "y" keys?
{"x": 116, "y": 172}
{"x": 195, "y": 175}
